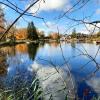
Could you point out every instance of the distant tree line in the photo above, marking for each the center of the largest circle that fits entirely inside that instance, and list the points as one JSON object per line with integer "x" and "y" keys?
{"x": 82, "y": 35}
{"x": 32, "y": 33}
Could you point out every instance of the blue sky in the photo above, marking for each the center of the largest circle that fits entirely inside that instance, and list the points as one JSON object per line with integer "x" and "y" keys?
{"x": 51, "y": 10}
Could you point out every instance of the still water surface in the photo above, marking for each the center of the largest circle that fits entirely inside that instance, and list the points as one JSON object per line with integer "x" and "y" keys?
{"x": 59, "y": 63}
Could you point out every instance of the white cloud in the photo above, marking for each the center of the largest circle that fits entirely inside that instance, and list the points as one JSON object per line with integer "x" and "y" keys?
{"x": 51, "y": 81}
{"x": 92, "y": 28}
{"x": 83, "y": 31}
{"x": 53, "y": 27}
{"x": 2, "y": 6}
{"x": 89, "y": 28}
{"x": 94, "y": 83}
{"x": 49, "y": 24}
{"x": 51, "y": 5}
{"x": 98, "y": 11}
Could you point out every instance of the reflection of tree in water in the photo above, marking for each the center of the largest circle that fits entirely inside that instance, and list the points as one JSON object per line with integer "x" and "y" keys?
{"x": 8, "y": 50}
{"x": 54, "y": 43}
{"x": 18, "y": 78}
{"x": 32, "y": 50}
{"x": 4, "y": 51}
{"x": 3, "y": 66}
{"x": 85, "y": 92}
{"x": 22, "y": 48}
{"x": 3, "y": 69}
{"x": 73, "y": 44}
{"x": 41, "y": 44}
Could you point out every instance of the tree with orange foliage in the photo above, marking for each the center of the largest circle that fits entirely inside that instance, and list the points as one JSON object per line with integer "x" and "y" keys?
{"x": 2, "y": 20}
{"x": 21, "y": 34}
{"x": 54, "y": 36}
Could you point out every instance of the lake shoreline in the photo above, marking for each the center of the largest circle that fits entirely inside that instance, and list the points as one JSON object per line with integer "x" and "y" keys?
{"x": 5, "y": 43}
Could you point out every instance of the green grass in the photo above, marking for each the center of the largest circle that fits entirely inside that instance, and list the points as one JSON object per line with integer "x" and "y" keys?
{"x": 33, "y": 92}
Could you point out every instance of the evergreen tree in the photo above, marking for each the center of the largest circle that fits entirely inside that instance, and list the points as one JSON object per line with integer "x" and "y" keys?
{"x": 74, "y": 35}
{"x": 32, "y": 33}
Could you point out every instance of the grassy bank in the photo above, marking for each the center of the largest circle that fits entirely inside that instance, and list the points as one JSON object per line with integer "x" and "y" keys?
{"x": 5, "y": 43}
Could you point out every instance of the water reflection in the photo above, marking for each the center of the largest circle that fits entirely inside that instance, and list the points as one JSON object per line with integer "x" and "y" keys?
{"x": 73, "y": 44}
{"x": 21, "y": 48}
{"x": 3, "y": 67}
{"x": 85, "y": 92}
{"x": 8, "y": 50}
{"x": 54, "y": 44}
{"x": 32, "y": 50}
{"x": 14, "y": 63}
{"x": 20, "y": 64}
{"x": 54, "y": 81}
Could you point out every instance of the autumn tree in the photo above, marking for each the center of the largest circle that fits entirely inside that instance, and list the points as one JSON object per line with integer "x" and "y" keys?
{"x": 54, "y": 36}
{"x": 98, "y": 33}
{"x": 21, "y": 34}
{"x": 2, "y": 20}
{"x": 11, "y": 32}
{"x": 2, "y": 23}
{"x": 32, "y": 32}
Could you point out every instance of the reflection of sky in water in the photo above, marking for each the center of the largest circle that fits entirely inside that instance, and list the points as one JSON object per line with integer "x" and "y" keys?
{"x": 20, "y": 63}
{"x": 54, "y": 54}
{"x": 80, "y": 67}
{"x": 18, "y": 67}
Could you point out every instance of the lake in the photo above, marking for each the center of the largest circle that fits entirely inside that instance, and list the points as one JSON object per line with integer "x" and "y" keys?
{"x": 62, "y": 68}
